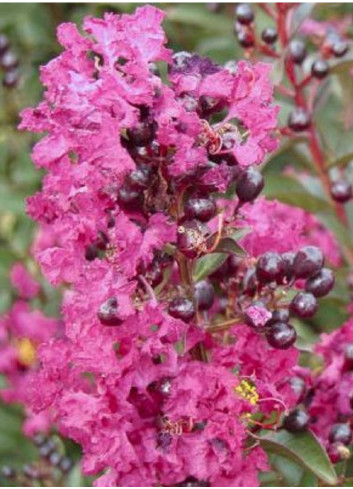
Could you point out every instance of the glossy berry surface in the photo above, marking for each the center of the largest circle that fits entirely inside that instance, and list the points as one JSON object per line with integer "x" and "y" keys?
{"x": 142, "y": 134}
{"x": 281, "y": 335}
{"x": 191, "y": 235}
{"x": 334, "y": 452}
{"x": 340, "y": 432}
{"x": 139, "y": 179}
{"x": 296, "y": 421}
{"x": 7, "y": 471}
{"x": 280, "y": 315}
{"x": 108, "y": 312}
{"x": 341, "y": 191}
{"x": 91, "y": 252}
{"x": 308, "y": 262}
{"x": 304, "y": 305}
{"x": 244, "y": 13}
{"x": 288, "y": 260}
{"x": 130, "y": 199}
{"x": 320, "y": 69}
{"x": 9, "y": 60}
{"x": 269, "y": 35}
{"x": 201, "y": 209}
{"x": 204, "y": 294}
{"x": 299, "y": 120}
{"x": 4, "y": 43}
{"x": 297, "y": 51}
{"x": 270, "y": 267}
{"x": 348, "y": 356}
{"x": 299, "y": 387}
{"x": 321, "y": 284}
{"x": 154, "y": 274}
{"x": 340, "y": 48}
{"x": 249, "y": 185}
{"x": 245, "y": 39}
{"x": 10, "y": 79}
{"x": 182, "y": 308}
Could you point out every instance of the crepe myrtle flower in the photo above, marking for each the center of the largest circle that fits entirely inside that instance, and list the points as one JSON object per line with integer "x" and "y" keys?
{"x": 155, "y": 365}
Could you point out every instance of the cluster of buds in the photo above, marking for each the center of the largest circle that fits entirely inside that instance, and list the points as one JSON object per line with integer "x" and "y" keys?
{"x": 8, "y": 63}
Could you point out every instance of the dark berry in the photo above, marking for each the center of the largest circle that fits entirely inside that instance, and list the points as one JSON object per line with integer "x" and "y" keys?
{"x": 249, "y": 185}
{"x": 39, "y": 439}
{"x": 281, "y": 335}
{"x": 65, "y": 464}
{"x": 130, "y": 199}
{"x": 320, "y": 69}
{"x": 9, "y": 60}
{"x": 279, "y": 316}
{"x": 30, "y": 471}
{"x": 154, "y": 274}
{"x": 201, "y": 209}
{"x": 288, "y": 260}
{"x": 47, "y": 448}
{"x": 142, "y": 134}
{"x": 299, "y": 387}
{"x": 297, "y": 51}
{"x": 299, "y": 120}
{"x": 249, "y": 281}
{"x": 102, "y": 241}
{"x": 181, "y": 60}
{"x": 348, "y": 356}
{"x": 296, "y": 421}
{"x": 321, "y": 284}
{"x": 244, "y": 13}
{"x": 269, "y": 35}
{"x": 351, "y": 400}
{"x": 340, "y": 432}
{"x": 140, "y": 178}
{"x": 182, "y": 308}
{"x": 193, "y": 482}
{"x": 4, "y": 43}
{"x": 91, "y": 252}
{"x": 54, "y": 459}
{"x": 341, "y": 191}
{"x": 8, "y": 472}
{"x": 245, "y": 39}
{"x": 204, "y": 294}
{"x": 233, "y": 262}
{"x": 108, "y": 312}
{"x": 304, "y": 305}
{"x": 191, "y": 235}
{"x": 270, "y": 267}
{"x": 10, "y": 79}
{"x": 308, "y": 262}
{"x": 340, "y": 48}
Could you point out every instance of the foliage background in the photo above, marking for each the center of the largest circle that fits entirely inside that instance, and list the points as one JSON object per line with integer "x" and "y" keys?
{"x": 191, "y": 27}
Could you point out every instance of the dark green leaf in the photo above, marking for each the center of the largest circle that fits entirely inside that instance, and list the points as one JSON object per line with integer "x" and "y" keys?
{"x": 229, "y": 245}
{"x": 303, "y": 448}
{"x": 208, "y": 264}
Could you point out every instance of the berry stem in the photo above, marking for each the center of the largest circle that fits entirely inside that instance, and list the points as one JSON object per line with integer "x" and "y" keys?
{"x": 313, "y": 139}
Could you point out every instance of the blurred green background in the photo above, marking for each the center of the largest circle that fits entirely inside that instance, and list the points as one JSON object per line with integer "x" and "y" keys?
{"x": 201, "y": 28}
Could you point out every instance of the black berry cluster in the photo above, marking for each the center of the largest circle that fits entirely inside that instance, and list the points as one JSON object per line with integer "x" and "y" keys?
{"x": 50, "y": 468}
{"x": 9, "y": 63}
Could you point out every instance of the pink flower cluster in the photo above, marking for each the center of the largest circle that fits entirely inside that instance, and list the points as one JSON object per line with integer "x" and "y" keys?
{"x": 22, "y": 330}
{"x": 153, "y": 398}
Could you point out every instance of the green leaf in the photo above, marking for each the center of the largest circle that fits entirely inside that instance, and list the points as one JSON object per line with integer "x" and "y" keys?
{"x": 303, "y": 448}
{"x": 292, "y": 192}
{"x": 208, "y": 264}
{"x": 229, "y": 245}
{"x": 342, "y": 161}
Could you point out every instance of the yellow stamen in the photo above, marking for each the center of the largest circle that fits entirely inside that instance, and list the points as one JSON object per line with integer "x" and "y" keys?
{"x": 26, "y": 351}
{"x": 247, "y": 391}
